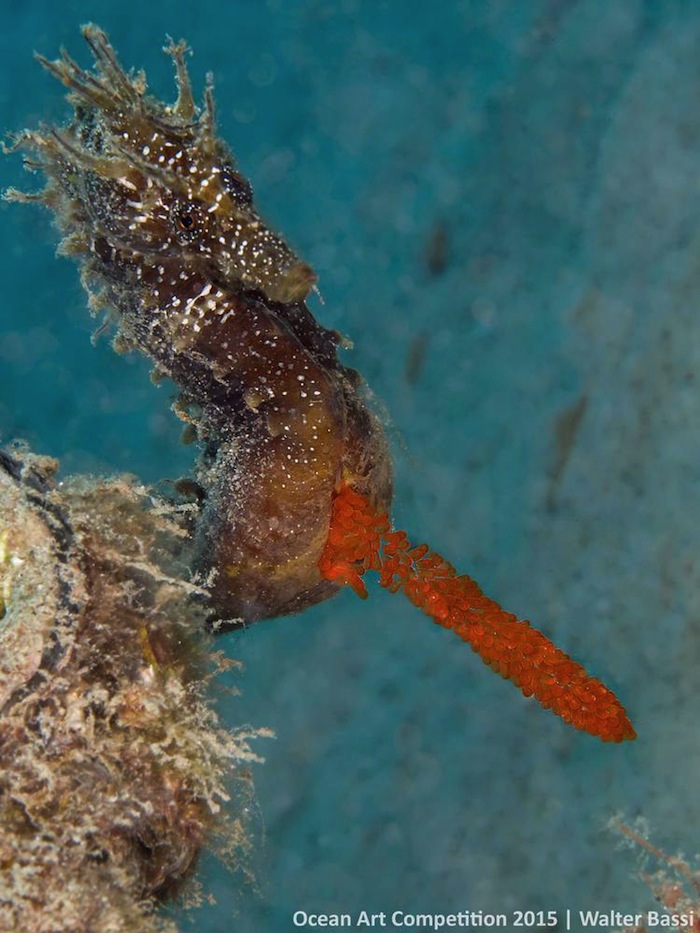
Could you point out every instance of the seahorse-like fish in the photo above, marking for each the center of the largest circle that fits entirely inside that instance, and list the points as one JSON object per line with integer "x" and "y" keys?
{"x": 169, "y": 239}
{"x": 296, "y": 473}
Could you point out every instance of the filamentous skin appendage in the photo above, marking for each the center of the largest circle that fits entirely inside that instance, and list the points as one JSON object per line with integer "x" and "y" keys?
{"x": 295, "y": 475}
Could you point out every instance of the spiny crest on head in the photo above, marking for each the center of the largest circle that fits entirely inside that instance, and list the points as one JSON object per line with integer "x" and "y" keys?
{"x": 149, "y": 179}
{"x": 119, "y": 98}
{"x": 112, "y": 89}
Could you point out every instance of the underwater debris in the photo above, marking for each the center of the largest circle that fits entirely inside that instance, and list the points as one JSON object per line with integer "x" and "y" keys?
{"x": 295, "y": 475}
{"x": 674, "y": 884}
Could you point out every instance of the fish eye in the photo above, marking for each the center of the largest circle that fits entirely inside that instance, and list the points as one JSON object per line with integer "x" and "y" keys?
{"x": 184, "y": 220}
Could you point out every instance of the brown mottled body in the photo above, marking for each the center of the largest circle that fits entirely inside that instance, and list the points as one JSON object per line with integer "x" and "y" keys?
{"x": 164, "y": 226}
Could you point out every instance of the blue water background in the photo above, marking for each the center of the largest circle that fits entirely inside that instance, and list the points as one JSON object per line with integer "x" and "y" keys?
{"x": 541, "y": 394}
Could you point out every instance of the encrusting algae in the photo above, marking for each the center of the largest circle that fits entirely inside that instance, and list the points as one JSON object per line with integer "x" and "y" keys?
{"x": 114, "y": 770}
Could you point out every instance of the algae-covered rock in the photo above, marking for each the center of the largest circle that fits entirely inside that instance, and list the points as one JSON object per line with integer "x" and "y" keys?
{"x": 113, "y": 766}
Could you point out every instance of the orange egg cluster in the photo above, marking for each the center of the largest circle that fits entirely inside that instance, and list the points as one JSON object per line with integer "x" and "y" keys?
{"x": 361, "y": 539}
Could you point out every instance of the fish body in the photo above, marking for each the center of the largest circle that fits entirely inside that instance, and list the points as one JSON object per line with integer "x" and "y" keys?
{"x": 170, "y": 242}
